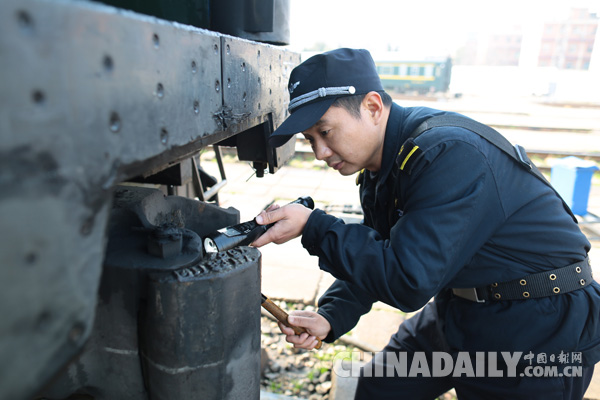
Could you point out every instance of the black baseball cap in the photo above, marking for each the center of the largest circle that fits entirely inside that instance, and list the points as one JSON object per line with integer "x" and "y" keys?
{"x": 316, "y": 83}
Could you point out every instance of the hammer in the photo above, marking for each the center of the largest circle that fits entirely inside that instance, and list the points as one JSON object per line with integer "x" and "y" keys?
{"x": 282, "y": 317}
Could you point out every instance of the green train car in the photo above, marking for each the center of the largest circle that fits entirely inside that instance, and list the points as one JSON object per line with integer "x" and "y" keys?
{"x": 430, "y": 76}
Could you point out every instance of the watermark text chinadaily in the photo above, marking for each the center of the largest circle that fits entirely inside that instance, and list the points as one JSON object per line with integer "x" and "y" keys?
{"x": 461, "y": 364}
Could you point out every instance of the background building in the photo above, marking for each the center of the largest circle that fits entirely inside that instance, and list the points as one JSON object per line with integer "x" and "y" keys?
{"x": 564, "y": 44}
{"x": 569, "y": 44}
{"x": 504, "y": 48}
{"x": 501, "y": 48}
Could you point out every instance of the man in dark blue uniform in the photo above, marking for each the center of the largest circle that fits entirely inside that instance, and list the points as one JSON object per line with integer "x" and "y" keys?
{"x": 447, "y": 215}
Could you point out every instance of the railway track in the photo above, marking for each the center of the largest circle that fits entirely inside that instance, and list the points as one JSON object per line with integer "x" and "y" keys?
{"x": 544, "y": 155}
{"x": 594, "y": 156}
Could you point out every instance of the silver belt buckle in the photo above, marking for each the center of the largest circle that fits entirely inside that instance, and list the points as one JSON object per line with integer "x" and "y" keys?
{"x": 469, "y": 294}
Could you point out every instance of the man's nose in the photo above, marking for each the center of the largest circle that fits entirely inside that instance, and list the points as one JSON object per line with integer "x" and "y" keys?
{"x": 322, "y": 152}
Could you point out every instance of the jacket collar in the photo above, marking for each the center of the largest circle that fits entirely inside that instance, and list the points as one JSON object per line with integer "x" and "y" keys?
{"x": 392, "y": 143}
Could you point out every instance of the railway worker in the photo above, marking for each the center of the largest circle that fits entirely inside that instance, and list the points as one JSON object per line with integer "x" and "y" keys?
{"x": 449, "y": 216}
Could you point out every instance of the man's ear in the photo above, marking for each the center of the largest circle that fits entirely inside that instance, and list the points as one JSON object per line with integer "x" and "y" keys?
{"x": 373, "y": 105}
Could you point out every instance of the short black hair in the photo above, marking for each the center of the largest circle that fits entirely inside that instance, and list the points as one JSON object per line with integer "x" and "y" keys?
{"x": 352, "y": 103}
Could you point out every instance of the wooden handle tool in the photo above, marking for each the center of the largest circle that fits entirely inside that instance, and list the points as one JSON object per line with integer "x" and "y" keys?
{"x": 282, "y": 317}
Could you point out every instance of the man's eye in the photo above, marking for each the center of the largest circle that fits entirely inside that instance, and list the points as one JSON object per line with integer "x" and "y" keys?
{"x": 324, "y": 133}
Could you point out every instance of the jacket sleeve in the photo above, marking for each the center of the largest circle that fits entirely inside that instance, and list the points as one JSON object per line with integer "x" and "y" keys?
{"x": 342, "y": 305}
{"x": 451, "y": 208}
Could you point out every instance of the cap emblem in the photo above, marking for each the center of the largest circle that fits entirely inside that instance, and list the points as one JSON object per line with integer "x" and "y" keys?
{"x": 293, "y": 87}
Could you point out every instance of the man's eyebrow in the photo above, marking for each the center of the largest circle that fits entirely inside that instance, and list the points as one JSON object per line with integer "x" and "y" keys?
{"x": 320, "y": 122}
{"x": 317, "y": 124}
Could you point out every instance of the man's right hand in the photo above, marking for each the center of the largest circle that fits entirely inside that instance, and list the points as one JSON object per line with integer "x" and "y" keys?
{"x": 289, "y": 223}
{"x": 315, "y": 324}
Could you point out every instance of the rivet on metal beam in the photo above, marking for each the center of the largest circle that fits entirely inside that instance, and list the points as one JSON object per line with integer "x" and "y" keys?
{"x": 164, "y": 136}
{"x": 38, "y": 97}
{"x": 228, "y": 50}
{"x": 107, "y": 63}
{"x": 194, "y": 67}
{"x": 218, "y": 86}
{"x": 43, "y": 321}
{"x": 216, "y": 48}
{"x": 115, "y": 122}
{"x": 156, "y": 41}
{"x": 87, "y": 226}
{"x": 160, "y": 91}
{"x": 31, "y": 258}
{"x": 76, "y": 332}
{"x": 196, "y": 107}
{"x": 25, "y": 21}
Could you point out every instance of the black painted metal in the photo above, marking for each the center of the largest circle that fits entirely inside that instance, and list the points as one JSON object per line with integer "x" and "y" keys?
{"x": 189, "y": 12}
{"x": 201, "y": 332}
{"x": 260, "y": 20}
{"x": 177, "y": 327}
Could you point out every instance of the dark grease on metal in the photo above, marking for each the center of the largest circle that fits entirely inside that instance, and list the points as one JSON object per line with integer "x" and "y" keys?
{"x": 97, "y": 193}
{"x": 165, "y": 241}
{"x": 216, "y": 263}
{"x": 23, "y": 162}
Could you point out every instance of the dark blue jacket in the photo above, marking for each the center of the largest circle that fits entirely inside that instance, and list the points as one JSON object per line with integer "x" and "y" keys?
{"x": 467, "y": 216}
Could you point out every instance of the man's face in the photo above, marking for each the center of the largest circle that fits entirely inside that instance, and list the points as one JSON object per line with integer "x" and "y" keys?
{"x": 348, "y": 144}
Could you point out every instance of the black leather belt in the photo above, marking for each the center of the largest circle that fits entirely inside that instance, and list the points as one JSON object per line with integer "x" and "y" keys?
{"x": 542, "y": 284}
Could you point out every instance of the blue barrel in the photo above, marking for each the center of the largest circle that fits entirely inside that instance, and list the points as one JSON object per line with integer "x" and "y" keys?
{"x": 572, "y": 179}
